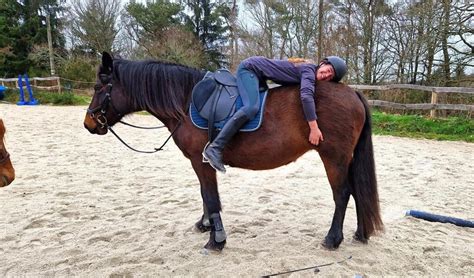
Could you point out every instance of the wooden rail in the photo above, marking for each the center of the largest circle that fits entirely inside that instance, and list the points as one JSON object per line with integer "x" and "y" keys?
{"x": 433, "y": 106}
{"x": 460, "y": 90}
{"x": 33, "y": 82}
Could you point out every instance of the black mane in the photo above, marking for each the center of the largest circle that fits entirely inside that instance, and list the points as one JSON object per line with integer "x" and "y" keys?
{"x": 159, "y": 87}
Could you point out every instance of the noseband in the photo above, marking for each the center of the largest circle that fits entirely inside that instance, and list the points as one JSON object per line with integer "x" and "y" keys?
{"x": 98, "y": 113}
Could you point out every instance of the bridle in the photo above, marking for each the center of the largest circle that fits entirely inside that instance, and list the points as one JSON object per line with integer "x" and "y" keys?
{"x": 100, "y": 117}
{"x": 98, "y": 114}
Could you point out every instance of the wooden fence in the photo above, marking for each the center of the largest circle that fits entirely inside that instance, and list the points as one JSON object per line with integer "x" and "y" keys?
{"x": 53, "y": 83}
{"x": 55, "y": 80}
{"x": 434, "y": 106}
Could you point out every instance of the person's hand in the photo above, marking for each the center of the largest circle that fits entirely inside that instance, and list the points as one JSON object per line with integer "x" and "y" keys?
{"x": 315, "y": 136}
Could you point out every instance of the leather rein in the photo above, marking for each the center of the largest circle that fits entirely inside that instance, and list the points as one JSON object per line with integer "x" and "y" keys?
{"x": 98, "y": 115}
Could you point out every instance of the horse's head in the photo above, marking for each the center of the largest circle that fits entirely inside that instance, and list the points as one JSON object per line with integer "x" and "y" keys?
{"x": 7, "y": 173}
{"x": 109, "y": 103}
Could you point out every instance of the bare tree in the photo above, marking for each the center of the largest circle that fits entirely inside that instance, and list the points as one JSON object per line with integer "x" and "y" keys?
{"x": 231, "y": 21}
{"x": 265, "y": 18}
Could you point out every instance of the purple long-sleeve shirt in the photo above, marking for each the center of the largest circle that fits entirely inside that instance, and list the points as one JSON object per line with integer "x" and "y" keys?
{"x": 286, "y": 73}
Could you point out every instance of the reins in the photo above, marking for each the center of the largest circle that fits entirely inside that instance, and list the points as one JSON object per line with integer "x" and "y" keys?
{"x": 139, "y": 151}
{"x": 102, "y": 119}
{"x": 142, "y": 127}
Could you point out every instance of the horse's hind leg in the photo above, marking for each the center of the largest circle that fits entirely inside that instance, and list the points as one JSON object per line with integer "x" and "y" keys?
{"x": 337, "y": 172}
{"x": 212, "y": 206}
{"x": 204, "y": 224}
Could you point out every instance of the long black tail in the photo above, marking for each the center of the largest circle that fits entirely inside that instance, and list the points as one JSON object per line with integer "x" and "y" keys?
{"x": 363, "y": 179}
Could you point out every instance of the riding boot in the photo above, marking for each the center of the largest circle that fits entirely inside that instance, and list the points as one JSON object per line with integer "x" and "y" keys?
{"x": 213, "y": 152}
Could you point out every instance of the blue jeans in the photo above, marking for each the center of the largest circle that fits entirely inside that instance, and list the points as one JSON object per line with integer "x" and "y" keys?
{"x": 247, "y": 82}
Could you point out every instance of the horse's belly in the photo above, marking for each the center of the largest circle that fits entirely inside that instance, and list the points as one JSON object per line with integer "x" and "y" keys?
{"x": 263, "y": 157}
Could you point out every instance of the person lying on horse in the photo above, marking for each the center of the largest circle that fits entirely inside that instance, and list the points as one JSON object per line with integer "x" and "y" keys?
{"x": 254, "y": 71}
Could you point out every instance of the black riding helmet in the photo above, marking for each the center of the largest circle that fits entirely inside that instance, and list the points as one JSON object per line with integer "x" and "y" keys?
{"x": 340, "y": 67}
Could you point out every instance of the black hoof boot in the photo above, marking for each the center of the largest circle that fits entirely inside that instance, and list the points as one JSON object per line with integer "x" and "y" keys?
{"x": 213, "y": 245}
{"x": 217, "y": 238}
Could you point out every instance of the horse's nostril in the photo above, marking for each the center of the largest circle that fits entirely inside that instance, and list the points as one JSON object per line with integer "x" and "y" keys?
{"x": 4, "y": 181}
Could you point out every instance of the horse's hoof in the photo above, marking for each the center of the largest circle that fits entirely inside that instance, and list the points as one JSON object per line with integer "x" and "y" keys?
{"x": 201, "y": 227}
{"x": 359, "y": 237}
{"x": 215, "y": 246}
{"x": 331, "y": 243}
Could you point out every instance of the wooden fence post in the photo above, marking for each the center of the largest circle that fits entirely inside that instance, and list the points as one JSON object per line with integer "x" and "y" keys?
{"x": 59, "y": 84}
{"x": 434, "y": 100}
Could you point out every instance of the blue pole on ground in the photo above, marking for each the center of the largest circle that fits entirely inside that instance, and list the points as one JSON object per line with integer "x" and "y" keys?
{"x": 32, "y": 101}
{"x": 22, "y": 93}
{"x": 440, "y": 218}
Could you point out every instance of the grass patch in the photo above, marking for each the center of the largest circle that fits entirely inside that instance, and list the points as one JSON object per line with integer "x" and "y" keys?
{"x": 414, "y": 126}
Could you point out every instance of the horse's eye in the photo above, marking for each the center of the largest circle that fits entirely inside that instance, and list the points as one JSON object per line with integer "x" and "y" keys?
{"x": 97, "y": 87}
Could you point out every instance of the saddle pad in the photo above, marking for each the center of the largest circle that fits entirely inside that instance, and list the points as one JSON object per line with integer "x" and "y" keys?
{"x": 251, "y": 125}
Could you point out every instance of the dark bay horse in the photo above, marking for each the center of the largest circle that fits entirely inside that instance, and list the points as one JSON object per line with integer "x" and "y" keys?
{"x": 7, "y": 173}
{"x": 164, "y": 90}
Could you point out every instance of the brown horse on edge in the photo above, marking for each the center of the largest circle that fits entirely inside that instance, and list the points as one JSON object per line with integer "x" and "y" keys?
{"x": 7, "y": 173}
{"x": 164, "y": 90}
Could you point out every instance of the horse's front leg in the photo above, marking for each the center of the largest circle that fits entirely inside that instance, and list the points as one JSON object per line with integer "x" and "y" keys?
{"x": 212, "y": 205}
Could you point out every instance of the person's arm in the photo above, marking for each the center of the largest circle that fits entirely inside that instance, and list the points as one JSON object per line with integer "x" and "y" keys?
{"x": 309, "y": 106}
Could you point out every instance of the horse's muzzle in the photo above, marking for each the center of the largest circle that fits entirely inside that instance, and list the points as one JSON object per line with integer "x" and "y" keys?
{"x": 92, "y": 127}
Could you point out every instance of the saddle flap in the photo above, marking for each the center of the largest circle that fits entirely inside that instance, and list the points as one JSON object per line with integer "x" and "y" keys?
{"x": 223, "y": 105}
{"x": 225, "y": 77}
{"x": 215, "y": 95}
{"x": 202, "y": 92}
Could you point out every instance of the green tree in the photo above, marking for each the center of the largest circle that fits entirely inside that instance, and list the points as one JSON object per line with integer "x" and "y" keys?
{"x": 157, "y": 30}
{"x": 208, "y": 21}
{"x": 22, "y": 29}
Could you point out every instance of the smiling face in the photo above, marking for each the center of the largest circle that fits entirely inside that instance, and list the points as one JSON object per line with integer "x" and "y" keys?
{"x": 325, "y": 72}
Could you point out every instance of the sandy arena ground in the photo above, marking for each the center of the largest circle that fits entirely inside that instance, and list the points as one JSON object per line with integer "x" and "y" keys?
{"x": 84, "y": 205}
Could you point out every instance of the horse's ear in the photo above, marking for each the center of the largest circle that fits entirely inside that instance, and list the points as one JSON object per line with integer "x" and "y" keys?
{"x": 107, "y": 62}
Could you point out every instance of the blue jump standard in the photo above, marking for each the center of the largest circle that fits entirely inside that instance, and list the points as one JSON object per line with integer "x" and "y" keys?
{"x": 440, "y": 218}
{"x": 32, "y": 100}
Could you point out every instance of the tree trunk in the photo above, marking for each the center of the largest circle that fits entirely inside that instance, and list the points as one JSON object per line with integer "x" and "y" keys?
{"x": 444, "y": 41}
{"x": 367, "y": 43}
{"x": 320, "y": 29}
